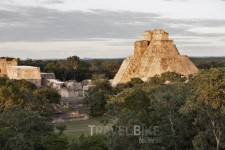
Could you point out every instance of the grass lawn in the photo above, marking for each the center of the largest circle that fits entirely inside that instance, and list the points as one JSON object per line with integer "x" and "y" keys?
{"x": 82, "y": 110}
{"x": 77, "y": 128}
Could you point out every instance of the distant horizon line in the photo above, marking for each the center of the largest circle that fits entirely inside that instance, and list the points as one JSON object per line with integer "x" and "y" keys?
{"x": 91, "y": 58}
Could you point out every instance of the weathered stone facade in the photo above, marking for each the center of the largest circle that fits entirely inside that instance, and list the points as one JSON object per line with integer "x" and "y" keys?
{"x": 31, "y": 74}
{"x": 154, "y": 54}
{"x": 54, "y": 83}
{"x": 5, "y": 63}
{"x": 71, "y": 90}
{"x": 45, "y": 76}
{"x": 87, "y": 84}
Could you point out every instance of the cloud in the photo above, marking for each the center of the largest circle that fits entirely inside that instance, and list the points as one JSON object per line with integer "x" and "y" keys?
{"x": 42, "y": 24}
{"x": 52, "y": 1}
{"x": 102, "y": 32}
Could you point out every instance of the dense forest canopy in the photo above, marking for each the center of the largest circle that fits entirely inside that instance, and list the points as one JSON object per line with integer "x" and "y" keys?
{"x": 74, "y": 68}
{"x": 189, "y": 112}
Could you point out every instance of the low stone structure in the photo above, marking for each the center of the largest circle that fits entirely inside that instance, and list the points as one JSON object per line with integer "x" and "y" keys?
{"x": 45, "y": 76}
{"x": 54, "y": 83}
{"x": 5, "y": 63}
{"x": 10, "y": 69}
{"x": 154, "y": 54}
{"x": 29, "y": 73}
{"x": 87, "y": 84}
{"x": 71, "y": 91}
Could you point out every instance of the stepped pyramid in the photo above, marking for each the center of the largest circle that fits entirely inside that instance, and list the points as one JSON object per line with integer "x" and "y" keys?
{"x": 154, "y": 54}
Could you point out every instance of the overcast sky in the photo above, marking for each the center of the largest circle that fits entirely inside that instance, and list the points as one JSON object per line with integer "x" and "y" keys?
{"x": 108, "y": 28}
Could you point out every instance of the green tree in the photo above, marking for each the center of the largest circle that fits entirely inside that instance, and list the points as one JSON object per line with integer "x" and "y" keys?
{"x": 167, "y": 76}
{"x": 24, "y": 129}
{"x": 98, "y": 95}
{"x": 154, "y": 104}
{"x": 27, "y": 95}
{"x": 208, "y": 102}
{"x": 95, "y": 142}
{"x": 48, "y": 95}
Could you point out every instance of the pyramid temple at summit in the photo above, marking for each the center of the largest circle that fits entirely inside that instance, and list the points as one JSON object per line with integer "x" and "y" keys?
{"x": 154, "y": 54}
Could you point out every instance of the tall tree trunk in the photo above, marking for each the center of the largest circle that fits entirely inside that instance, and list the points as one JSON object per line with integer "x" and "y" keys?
{"x": 173, "y": 131}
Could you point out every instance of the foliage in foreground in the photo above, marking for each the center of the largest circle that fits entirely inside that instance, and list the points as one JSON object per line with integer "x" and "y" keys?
{"x": 95, "y": 142}
{"x": 190, "y": 115}
{"x": 25, "y": 117}
{"x": 27, "y": 95}
{"x": 98, "y": 95}
{"x": 23, "y": 129}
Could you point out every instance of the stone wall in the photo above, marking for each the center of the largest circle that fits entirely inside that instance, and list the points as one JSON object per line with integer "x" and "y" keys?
{"x": 28, "y": 73}
{"x": 150, "y": 35}
{"x": 140, "y": 48}
{"x": 45, "y": 77}
{"x": 54, "y": 83}
{"x": 4, "y": 63}
{"x": 71, "y": 90}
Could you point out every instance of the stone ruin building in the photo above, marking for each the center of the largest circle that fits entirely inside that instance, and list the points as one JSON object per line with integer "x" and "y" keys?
{"x": 154, "y": 54}
{"x": 10, "y": 69}
{"x": 70, "y": 90}
{"x": 29, "y": 73}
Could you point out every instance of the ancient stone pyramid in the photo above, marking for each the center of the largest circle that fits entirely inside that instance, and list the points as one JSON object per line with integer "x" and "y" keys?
{"x": 154, "y": 54}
